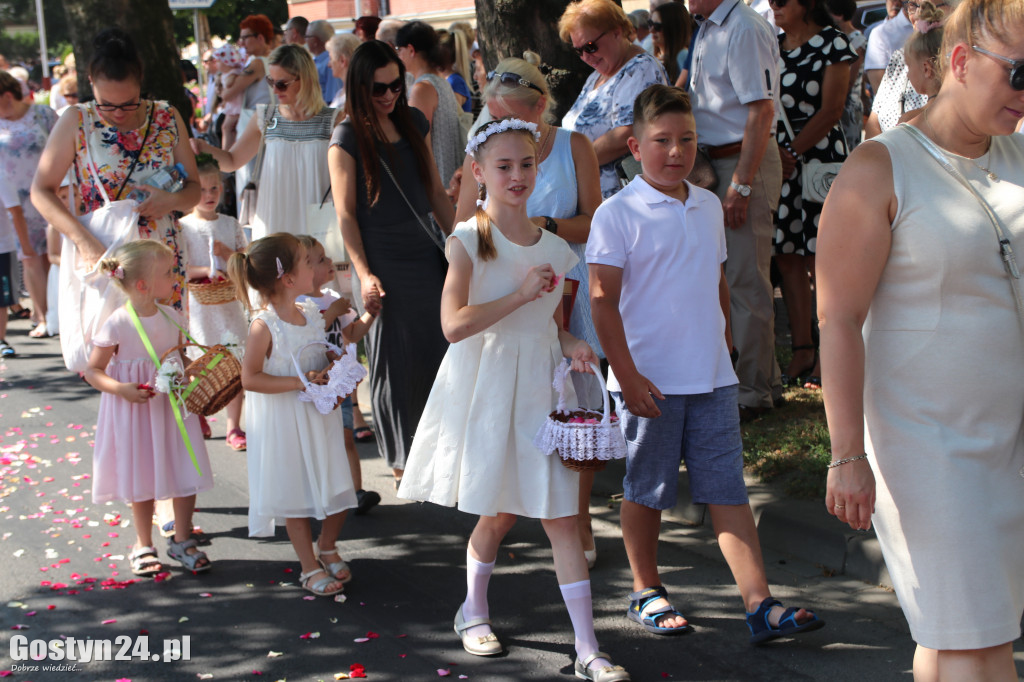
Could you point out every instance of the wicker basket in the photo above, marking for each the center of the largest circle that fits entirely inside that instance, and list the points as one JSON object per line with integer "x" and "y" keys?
{"x": 213, "y": 293}
{"x": 581, "y": 446}
{"x": 216, "y": 379}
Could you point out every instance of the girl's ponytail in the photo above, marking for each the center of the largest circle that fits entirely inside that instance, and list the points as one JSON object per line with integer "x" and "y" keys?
{"x": 238, "y": 265}
{"x": 485, "y": 244}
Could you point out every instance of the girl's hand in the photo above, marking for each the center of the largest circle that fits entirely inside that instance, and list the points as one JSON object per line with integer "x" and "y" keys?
{"x": 850, "y": 494}
{"x": 222, "y": 250}
{"x": 538, "y": 282}
{"x": 582, "y": 357}
{"x": 158, "y": 204}
{"x": 319, "y": 378}
{"x": 339, "y": 307}
{"x": 219, "y": 274}
{"x": 135, "y": 393}
{"x": 372, "y": 292}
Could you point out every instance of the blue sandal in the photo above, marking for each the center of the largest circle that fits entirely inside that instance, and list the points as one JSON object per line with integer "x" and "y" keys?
{"x": 761, "y": 630}
{"x": 648, "y": 618}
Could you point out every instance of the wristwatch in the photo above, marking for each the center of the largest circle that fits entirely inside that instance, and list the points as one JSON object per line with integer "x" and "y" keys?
{"x": 742, "y": 190}
{"x": 550, "y": 225}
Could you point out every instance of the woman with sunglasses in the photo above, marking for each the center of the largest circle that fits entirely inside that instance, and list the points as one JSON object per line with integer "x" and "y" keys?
{"x": 567, "y": 193}
{"x": 120, "y": 139}
{"x": 602, "y": 35}
{"x": 419, "y": 49}
{"x": 921, "y": 344}
{"x": 385, "y": 184}
{"x": 814, "y": 74}
{"x": 671, "y": 31}
{"x": 296, "y": 130}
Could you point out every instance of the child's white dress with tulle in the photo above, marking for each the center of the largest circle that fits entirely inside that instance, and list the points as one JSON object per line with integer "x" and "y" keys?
{"x": 474, "y": 444}
{"x": 139, "y": 453}
{"x": 296, "y": 456}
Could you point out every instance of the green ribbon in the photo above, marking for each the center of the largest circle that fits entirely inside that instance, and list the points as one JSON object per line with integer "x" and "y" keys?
{"x": 175, "y": 406}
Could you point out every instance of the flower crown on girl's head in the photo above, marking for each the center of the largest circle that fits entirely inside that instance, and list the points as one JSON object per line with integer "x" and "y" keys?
{"x": 500, "y": 127}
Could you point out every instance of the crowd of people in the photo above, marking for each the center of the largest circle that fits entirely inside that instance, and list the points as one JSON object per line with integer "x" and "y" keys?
{"x": 686, "y": 181}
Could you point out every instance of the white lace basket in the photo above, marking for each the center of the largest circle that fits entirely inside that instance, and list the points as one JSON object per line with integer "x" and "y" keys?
{"x": 343, "y": 376}
{"x": 581, "y": 446}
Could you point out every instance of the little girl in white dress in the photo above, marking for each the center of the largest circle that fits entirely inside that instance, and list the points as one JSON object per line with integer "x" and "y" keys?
{"x": 294, "y": 469}
{"x": 474, "y": 443}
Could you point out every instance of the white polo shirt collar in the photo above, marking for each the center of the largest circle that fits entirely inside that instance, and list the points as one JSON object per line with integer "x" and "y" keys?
{"x": 651, "y": 196}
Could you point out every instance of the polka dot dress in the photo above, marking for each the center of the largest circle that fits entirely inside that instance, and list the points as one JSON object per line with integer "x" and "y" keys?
{"x": 802, "y": 75}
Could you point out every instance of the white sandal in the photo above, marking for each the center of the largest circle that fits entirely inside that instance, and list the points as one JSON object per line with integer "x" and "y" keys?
{"x": 319, "y": 588}
{"x": 333, "y": 567}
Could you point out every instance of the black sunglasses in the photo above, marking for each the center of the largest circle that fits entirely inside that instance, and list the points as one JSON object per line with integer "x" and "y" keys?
{"x": 654, "y": 26}
{"x": 512, "y": 80}
{"x": 280, "y": 86}
{"x": 395, "y": 86}
{"x": 131, "y": 106}
{"x": 778, "y": 3}
{"x": 590, "y": 47}
{"x": 1016, "y": 67}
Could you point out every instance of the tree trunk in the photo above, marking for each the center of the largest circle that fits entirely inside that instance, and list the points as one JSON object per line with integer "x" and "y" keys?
{"x": 506, "y": 28}
{"x": 150, "y": 24}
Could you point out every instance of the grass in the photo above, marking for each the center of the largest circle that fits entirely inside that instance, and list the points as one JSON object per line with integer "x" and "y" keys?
{"x": 790, "y": 445}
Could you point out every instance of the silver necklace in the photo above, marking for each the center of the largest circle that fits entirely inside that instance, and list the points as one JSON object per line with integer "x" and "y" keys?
{"x": 991, "y": 176}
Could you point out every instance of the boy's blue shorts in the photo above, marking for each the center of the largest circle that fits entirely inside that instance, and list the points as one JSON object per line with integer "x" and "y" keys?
{"x": 700, "y": 430}
{"x": 346, "y": 412}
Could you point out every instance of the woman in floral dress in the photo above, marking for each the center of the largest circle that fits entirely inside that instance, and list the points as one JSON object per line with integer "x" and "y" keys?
{"x": 129, "y": 139}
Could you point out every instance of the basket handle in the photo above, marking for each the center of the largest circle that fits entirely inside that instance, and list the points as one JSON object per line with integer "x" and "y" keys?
{"x": 562, "y": 376}
{"x": 604, "y": 394}
{"x": 295, "y": 358}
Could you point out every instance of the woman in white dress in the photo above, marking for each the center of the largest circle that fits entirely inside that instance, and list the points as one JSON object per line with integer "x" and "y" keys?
{"x": 921, "y": 344}
{"x": 296, "y": 131}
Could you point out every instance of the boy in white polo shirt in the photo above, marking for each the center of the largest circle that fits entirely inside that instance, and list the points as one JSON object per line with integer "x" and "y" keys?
{"x": 660, "y": 304}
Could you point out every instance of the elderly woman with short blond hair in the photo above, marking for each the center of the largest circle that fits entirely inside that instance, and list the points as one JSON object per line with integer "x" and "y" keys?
{"x": 602, "y": 35}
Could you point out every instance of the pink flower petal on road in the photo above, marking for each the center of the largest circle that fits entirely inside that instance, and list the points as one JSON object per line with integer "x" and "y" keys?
{"x": 109, "y": 621}
{"x": 443, "y": 672}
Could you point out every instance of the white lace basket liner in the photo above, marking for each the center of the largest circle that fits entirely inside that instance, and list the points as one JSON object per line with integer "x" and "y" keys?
{"x": 343, "y": 376}
{"x": 580, "y": 446}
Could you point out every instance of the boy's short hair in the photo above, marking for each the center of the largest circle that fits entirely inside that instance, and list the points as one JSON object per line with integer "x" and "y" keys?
{"x": 657, "y": 100}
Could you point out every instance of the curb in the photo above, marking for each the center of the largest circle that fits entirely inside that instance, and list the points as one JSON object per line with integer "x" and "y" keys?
{"x": 797, "y": 528}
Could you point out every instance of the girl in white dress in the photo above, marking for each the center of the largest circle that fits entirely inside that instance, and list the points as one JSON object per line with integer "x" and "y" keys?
{"x": 473, "y": 446}
{"x": 294, "y": 473}
{"x": 210, "y": 239}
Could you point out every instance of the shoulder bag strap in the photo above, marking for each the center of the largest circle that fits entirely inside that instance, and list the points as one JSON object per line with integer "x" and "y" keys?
{"x": 1005, "y": 246}
{"x": 258, "y": 168}
{"x": 90, "y": 163}
{"x": 408, "y": 203}
{"x": 175, "y": 406}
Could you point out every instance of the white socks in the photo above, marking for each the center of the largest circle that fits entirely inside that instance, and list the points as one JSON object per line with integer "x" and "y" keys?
{"x": 581, "y": 613}
{"x": 478, "y": 575}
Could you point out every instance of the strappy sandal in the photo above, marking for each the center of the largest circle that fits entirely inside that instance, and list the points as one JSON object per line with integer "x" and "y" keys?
{"x": 319, "y": 588}
{"x": 761, "y": 629}
{"x": 236, "y": 440}
{"x": 333, "y": 568}
{"x": 488, "y": 645}
{"x": 144, "y": 562}
{"x": 608, "y": 673}
{"x": 179, "y": 552}
{"x": 794, "y": 380}
{"x": 639, "y": 612}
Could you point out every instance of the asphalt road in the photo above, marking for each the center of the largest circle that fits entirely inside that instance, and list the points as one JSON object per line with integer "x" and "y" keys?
{"x": 63, "y": 575}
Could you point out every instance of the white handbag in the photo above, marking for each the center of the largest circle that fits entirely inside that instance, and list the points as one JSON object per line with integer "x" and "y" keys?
{"x": 816, "y": 176}
{"x": 87, "y": 296}
{"x": 322, "y": 224}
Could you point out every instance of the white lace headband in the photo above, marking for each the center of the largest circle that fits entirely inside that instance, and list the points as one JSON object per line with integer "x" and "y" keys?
{"x": 501, "y": 127}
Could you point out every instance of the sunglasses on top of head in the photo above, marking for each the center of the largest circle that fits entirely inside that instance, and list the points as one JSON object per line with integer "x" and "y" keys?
{"x": 1016, "y": 67}
{"x": 396, "y": 86}
{"x": 512, "y": 80}
{"x": 280, "y": 86}
{"x": 590, "y": 47}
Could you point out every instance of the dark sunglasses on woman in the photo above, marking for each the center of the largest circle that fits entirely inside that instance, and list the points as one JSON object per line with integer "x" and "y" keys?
{"x": 395, "y": 86}
{"x": 1016, "y": 67}
{"x": 590, "y": 47}
{"x": 512, "y": 80}
{"x": 654, "y": 26}
{"x": 279, "y": 86}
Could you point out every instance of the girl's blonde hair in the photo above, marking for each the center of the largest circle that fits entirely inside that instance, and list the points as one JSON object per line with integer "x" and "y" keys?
{"x": 926, "y": 40}
{"x": 296, "y": 60}
{"x": 133, "y": 262}
{"x": 455, "y": 52}
{"x": 257, "y": 267}
{"x": 975, "y": 21}
{"x": 485, "y": 244}
{"x": 598, "y": 15}
{"x": 525, "y": 68}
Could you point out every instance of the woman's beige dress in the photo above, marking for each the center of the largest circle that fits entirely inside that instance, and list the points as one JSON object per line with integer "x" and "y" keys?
{"x": 944, "y": 398}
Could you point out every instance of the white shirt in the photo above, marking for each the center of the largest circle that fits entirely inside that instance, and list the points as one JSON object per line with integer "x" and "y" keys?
{"x": 323, "y": 302}
{"x": 8, "y": 199}
{"x": 735, "y": 62}
{"x": 885, "y": 39}
{"x": 671, "y": 256}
